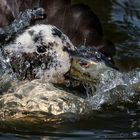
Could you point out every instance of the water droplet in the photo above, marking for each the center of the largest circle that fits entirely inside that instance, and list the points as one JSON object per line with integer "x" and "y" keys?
{"x": 27, "y": 64}
{"x": 67, "y": 84}
{"x": 18, "y": 55}
{"x": 109, "y": 58}
{"x": 34, "y": 71}
{"x": 7, "y": 60}
{"x": 111, "y": 74}
{"x": 43, "y": 66}
{"x": 134, "y": 134}
{"x": 4, "y": 66}
{"x": 20, "y": 70}
{"x": 98, "y": 55}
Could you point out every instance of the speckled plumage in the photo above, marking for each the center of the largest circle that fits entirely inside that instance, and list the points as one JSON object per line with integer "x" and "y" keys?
{"x": 40, "y": 52}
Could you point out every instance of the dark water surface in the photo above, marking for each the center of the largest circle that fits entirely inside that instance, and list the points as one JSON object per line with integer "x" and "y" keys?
{"x": 121, "y": 24}
{"x": 103, "y": 126}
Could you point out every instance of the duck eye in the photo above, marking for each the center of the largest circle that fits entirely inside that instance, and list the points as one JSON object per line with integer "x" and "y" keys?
{"x": 41, "y": 49}
{"x": 84, "y": 64}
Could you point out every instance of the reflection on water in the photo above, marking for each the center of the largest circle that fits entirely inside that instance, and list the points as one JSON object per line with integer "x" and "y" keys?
{"x": 126, "y": 15}
{"x": 102, "y": 126}
{"x": 120, "y": 19}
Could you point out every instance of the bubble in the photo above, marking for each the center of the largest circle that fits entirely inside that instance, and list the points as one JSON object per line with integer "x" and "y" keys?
{"x": 134, "y": 134}
{"x": 27, "y": 64}
{"x": 20, "y": 70}
{"x": 43, "y": 66}
{"x": 18, "y": 55}
{"x": 67, "y": 84}
{"x": 110, "y": 74}
{"x": 34, "y": 71}
{"x": 98, "y": 55}
{"x": 4, "y": 66}
{"x": 7, "y": 60}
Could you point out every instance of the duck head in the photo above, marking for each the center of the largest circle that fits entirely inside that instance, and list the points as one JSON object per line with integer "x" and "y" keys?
{"x": 88, "y": 64}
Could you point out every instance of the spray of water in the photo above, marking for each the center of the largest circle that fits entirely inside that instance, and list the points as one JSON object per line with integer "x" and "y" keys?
{"x": 113, "y": 88}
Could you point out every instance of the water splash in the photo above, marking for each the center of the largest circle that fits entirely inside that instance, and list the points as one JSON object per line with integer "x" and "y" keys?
{"x": 110, "y": 88}
{"x": 6, "y": 72}
{"x": 90, "y": 89}
{"x": 113, "y": 88}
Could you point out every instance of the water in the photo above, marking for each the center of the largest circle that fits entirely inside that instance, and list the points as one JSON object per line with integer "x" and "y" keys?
{"x": 102, "y": 126}
{"x": 120, "y": 20}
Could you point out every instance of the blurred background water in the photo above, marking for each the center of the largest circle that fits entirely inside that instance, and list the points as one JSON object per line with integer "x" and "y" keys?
{"x": 120, "y": 20}
{"x": 121, "y": 24}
